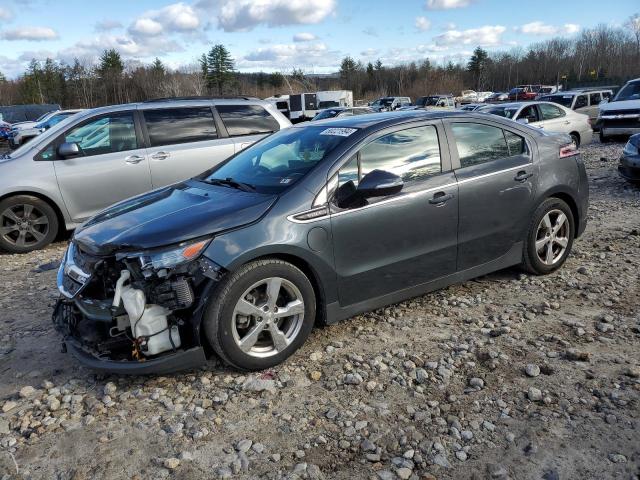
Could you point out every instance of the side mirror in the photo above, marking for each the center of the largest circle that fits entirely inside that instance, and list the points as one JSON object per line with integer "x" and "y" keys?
{"x": 523, "y": 120}
{"x": 379, "y": 183}
{"x": 69, "y": 149}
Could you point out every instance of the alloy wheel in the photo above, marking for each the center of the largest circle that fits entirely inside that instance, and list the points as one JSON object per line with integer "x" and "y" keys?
{"x": 23, "y": 225}
{"x": 552, "y": 237}
{"x": 268, "y": 317}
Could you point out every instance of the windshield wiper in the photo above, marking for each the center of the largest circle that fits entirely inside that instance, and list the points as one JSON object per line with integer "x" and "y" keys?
{"x": 230, "y": 182}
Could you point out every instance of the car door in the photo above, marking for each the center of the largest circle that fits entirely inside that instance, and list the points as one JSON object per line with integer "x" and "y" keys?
{"x": 182, "y": 142}
{"x": 594, "y": 101}
{"x": 581, "y": 105}
{"x": 112, "y": 164}
{"x": 245, "y": 124}
{"x": 496, "y": 185}
{"x": 387, "y": 244}
{"x": 531, "y": 115}
{"x": 554, "y": 118}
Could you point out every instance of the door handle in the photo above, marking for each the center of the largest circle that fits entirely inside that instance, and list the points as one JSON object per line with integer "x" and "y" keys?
{"x": 440, "y": 198}
{"x": 160, "y": 155}
{"x": 522, "y": 176}
{"x": 133, "y": 159}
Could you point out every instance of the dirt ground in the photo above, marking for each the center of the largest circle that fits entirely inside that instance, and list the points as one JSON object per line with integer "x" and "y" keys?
{"x": 506, "y": 376}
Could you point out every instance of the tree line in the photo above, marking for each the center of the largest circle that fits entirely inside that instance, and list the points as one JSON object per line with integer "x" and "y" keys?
{"x": 600, "y": 55}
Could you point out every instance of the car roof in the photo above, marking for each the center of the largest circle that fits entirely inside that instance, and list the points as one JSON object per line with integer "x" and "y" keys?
{"x": 376, "y": 121}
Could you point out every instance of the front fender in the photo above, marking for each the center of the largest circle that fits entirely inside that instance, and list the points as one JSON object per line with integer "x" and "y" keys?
{"x": 280, "y": 238}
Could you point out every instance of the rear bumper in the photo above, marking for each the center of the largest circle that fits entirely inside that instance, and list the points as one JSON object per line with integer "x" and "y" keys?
{"x": 169, "y": 363}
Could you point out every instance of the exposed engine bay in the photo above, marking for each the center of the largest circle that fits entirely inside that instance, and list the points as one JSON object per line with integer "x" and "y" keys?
{"x": 133, "y": 307}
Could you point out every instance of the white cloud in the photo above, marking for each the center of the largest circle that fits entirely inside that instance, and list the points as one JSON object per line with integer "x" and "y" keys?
{"x": 447, "y": 4}
{"x": 244, "y": 15}
{"x": 278, "y": 56}
{"x": 571, "y": 28}
{"x": 138, "y": 48}
{"x": 489, "y": 35}
{"x": 39, "y": 55}
{"x": 5, "y": 14}
{"x": 541, "y": 29}
{"x": 35, "y": 34}
{"x": 304, "y": 37}
{"x": 146, "y": 26}
{"x": 107, "y": 25}
{"x": 423, "y": 24}
{"x": 177, "y": 17}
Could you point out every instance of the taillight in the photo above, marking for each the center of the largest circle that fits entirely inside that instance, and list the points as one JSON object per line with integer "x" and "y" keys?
{"x": 568, "y": 150}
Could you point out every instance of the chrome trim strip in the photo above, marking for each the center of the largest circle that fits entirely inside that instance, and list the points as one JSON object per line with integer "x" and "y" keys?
{"x": 490, "y": 174}
{"x": 402, "y": 197}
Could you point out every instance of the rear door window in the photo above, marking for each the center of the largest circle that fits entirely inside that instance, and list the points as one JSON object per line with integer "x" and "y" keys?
{"x": 247, "y": 120}
{"x": 549, "y": 112}
{"x": 478, "y": 143}
{"x": 581, "y": 102}
{"x": 170, "y": 126}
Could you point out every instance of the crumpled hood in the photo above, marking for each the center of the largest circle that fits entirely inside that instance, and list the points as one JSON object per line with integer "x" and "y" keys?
{"x": 170, "y": 215}
{"x": 621, "y": 105}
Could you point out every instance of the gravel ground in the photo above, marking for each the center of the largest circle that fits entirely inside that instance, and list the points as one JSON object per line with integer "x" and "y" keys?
{"x": 507, "y": 376}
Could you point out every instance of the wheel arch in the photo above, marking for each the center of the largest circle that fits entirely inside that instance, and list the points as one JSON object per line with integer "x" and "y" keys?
{"x": 62, "y": 221}
{"x": 310, "y": 272}
{"x": 577, "y": 134}
{"x": 573, "y": 205}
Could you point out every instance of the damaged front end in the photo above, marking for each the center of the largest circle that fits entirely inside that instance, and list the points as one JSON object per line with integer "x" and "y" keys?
{"x": 135, "y": 312}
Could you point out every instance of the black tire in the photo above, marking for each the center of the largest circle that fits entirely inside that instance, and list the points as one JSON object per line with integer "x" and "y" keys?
{"x": 603, "y": 139}
{"x": 218, "y": 318}
{"x": 575, "y": 138}
{"x": 531, "y": 261}
{"x": 46, "y": 234}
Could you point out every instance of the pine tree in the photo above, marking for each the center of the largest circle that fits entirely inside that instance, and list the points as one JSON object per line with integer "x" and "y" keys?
{"x": 477, "y": 66}
{"x": 157, "y": 68}
{"x": 2, "y": 78}
{"x": 220, "y": 68}
{"x": 110, "y": 69}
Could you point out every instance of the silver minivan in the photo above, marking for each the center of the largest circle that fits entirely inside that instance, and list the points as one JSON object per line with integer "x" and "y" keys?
{"x": 101, "y": 156}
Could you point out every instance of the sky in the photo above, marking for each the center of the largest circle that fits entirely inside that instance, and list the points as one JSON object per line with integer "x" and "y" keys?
{"x": 279, "y": 35}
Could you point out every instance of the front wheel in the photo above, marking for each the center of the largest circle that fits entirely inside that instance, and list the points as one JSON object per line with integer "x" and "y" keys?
{"x": 26, "y": 223}
{"x": 550, "y": 237}
{"x": 260, "y": 315}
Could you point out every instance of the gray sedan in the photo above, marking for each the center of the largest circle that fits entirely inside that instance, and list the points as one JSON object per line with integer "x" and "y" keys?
{"x": 315, "y": 223}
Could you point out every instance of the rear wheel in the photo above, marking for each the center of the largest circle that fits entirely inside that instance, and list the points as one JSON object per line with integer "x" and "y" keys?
{"x": 603, "y": 138}
{"x": 26, "y": 223}
{"x": 575, "y": 138}
{"x": 260, "y": 315}
{"x": 550, "y": 237}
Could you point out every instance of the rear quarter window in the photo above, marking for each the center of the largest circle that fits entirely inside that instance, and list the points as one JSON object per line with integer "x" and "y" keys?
{"x": 247, "y": 120}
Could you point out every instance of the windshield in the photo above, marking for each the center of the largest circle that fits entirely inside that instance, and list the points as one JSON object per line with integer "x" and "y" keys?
{"x": 42, "y": 117}
{"x": 326, "y": 114}
{"x": 631, "y": 91}
{"x": 277, "y": 162}
{"x": 507, "y": 112}
{"x": 564, "y": 100}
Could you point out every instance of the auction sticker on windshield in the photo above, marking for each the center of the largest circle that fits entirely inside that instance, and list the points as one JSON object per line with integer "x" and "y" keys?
{"x": 340, "y": 132}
